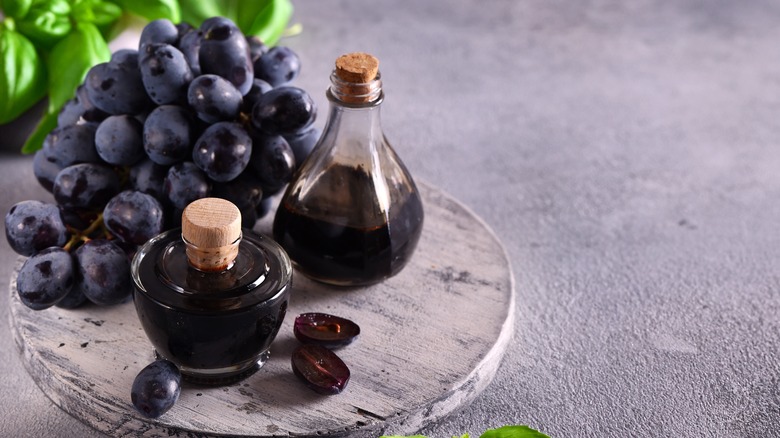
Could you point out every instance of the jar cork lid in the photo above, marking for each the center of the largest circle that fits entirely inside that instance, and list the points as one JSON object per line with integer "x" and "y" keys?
{"x": 357, "y": 67}
{"x": 211, "y": 227}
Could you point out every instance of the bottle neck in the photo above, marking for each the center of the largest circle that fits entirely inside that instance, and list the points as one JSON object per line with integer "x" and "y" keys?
{"x": 353, "y": 94}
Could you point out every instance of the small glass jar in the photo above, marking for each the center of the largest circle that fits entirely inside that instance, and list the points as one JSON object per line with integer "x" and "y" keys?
{"x": 212, "y": 307}
{"x": 352, "y": 214}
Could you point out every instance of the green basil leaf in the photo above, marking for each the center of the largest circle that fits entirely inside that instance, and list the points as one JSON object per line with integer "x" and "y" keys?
{"x": 44, "y": 127}
{"x": 105, "y": 13}
{"x": 195, "y": 11}
{"x": 249, "y": 10}
{"x": 513, "y": 432}
{"x": 45, "y": 28}
{"x": 47, "y": 22}
{"x": 71, "y": 59}
{"x": 271, "y": 21}
{"x": 15, "y": 8}
{"x": 154, "y": 9}
{"x": 59, "y": 7}
{"x": 22, "y": 74}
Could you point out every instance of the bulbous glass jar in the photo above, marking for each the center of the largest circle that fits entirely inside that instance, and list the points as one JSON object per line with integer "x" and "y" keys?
{"x": 352, "y": 214}
{"x": 212, "y": 309}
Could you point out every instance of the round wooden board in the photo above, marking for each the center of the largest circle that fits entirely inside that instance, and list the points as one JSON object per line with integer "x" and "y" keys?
{"x": 432, "y": 338}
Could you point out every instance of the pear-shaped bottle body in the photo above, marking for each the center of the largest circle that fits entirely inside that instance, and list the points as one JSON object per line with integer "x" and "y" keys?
{"x": 352, "y": 214}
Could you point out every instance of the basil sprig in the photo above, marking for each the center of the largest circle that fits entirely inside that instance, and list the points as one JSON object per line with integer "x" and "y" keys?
{"x": 519, "y": 431}
{"x": 48, "y": 46}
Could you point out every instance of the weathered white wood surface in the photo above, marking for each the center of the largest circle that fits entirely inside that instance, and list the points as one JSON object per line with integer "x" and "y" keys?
{"x": 432, "y": 338}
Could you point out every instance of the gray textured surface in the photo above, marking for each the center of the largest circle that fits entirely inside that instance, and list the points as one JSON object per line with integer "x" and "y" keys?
{"x": 626, "y": 154}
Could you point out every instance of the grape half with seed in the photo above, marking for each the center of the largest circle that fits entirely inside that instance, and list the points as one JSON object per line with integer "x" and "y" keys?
{"x": 324, "y": 329}
{"x": 321, "y": 369}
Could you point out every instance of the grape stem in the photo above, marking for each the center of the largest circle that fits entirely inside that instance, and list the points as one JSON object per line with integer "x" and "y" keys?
{"x": 78, "y": 236}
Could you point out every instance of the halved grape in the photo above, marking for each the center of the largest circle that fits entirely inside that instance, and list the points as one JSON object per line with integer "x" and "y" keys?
{"x": 321, "y": 369}
{"x": 324, "y": 329}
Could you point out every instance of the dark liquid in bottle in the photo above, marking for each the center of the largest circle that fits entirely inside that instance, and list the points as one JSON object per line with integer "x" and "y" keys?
{"x": 330, "y": 251}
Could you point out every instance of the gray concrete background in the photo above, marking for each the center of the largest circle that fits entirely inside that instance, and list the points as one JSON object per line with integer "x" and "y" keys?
{"x": 625, "y": 152}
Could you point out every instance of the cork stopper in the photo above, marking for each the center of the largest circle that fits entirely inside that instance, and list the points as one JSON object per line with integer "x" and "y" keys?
{"x": 211, "y": 228}
{"x": 356, "y": 79}
{"x": 357, "y": 67}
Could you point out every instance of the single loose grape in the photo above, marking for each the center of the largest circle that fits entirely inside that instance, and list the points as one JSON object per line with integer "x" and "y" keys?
{"x": 156, "y": 388}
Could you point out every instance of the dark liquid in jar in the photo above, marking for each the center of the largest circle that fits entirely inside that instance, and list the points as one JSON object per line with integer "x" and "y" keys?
{"x": 214, "y": 336}
{"x": 329, "y": 251}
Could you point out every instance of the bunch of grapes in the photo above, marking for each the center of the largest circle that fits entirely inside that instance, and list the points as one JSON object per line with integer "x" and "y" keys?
{"x": 194, "y": 112}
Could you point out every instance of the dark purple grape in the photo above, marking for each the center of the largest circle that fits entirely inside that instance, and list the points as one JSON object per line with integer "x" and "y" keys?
{"x": 117, "y": 88}
{"x": 79, "y": 219}
{"x": 70, "y": 114}
{"x": 103, "y": 272}
{"x": 122, "y": 56}
{"x": 185, "y": 183}
{"x": 278, "y": 66}
{"x": 302, "y": 143}
{"x": 167, "y": 135}
{"x": 223, "y": 151}
{"x": 119, "y": 140}
{"x": 148, "y": 177}
{"x": 256, "y": 47}
{"x": 189, "y": 45}
{"x": 75, "y": 298}
{"x": 259, "y": 87}
{"x": 45, "y": 278}
{"x": 45, "y": 171}
{"x": 85, "y": 185}
{"x": 31, "y": 226}
{"x": 224, "y": 51}
{"x": 324, "y": 329}
{"x": 91, "y": 113}
{"x": 273, "y": 161}
{"x": 134, "y": 217}
{"x": 244, "y": 191}
{"x": 183, "y": 28}
{"x": 72, "y": 144}
{"x": 213, "y": 98}
{"x": 284, "y": 110}
{"x": 321, "y": 369}
{"x": 161, "y": 31}
{"x": 156, "y": 388}
{"x": 165, "y": 73}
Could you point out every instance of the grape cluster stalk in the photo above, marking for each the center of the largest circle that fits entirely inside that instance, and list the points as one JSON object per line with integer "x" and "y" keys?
{"x": 194, "y": 112}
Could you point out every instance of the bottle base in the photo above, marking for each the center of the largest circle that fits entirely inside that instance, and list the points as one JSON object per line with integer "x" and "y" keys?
{"x": 222, "y": 376}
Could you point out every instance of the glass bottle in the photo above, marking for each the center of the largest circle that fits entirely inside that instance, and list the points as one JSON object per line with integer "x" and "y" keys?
{"x": 352, "y": 214}
{"x": 210, "y": 296}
